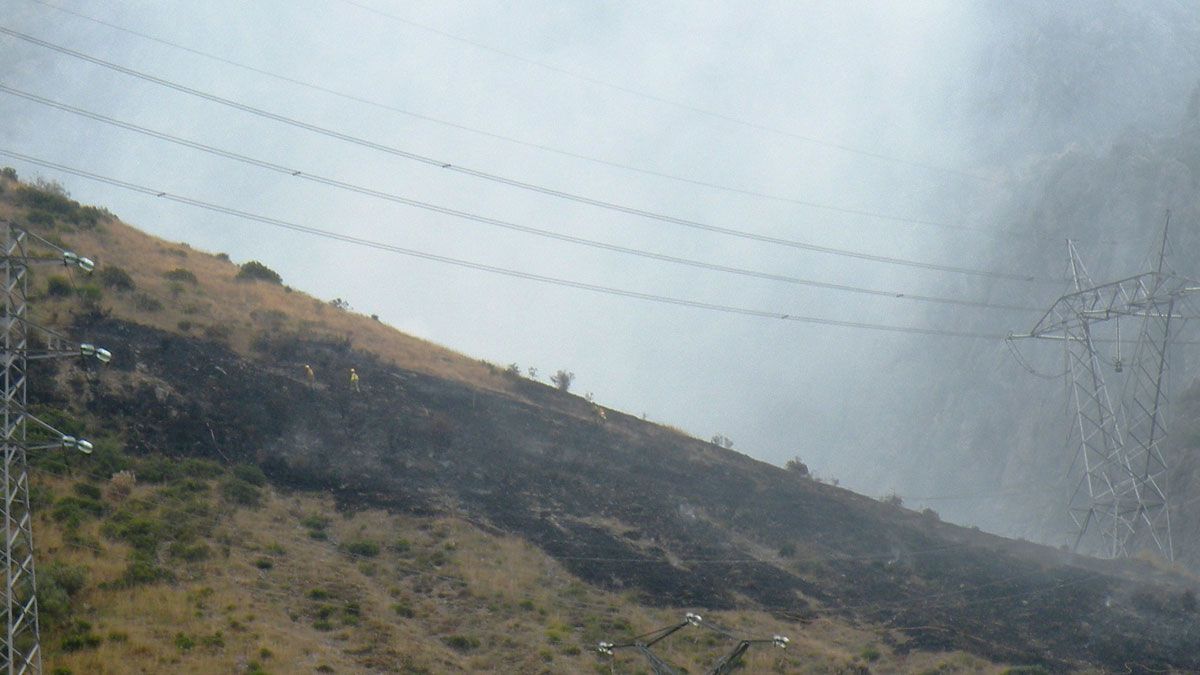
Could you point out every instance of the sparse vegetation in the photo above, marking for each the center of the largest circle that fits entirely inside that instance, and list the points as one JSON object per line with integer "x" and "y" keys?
{"x": 722, "y": 441}
{"x": 562, "y": 379}
{"x": 798, "y": 467}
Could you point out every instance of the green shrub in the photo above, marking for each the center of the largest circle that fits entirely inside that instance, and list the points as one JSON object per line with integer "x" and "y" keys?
{"x": 147, "y": 303}
{"x": 214, "y": 641}
{"x": 184, "y": 642}
{"x": 39, "y": 218}
{"x": 255, "y": 270}
{"x": 47, "y": 196}
{"x": 201, "y": 468}
{"x": 79, "y": 637}
{"x": 315, "y": 522}
{"x": 90, "y": 294}
{"x": 58, "y": 583}
{"x": 116, "y": 278}
{"x": 86, "y": 490}
{"x": 365, "y": 548}
{"x": 189, "y": 552}
{"x": 264, "y": 563}
{"x": 181, "y": 275}
{"x": 58, "y": 286}
{"x": 240, "y": 492}
{"x": 8, "y": 173}
{"x": 462, "y": 643}
{"x": 71, "y": 511}
{"x": 403, "y": 609}
{"x": 251, "y": 474}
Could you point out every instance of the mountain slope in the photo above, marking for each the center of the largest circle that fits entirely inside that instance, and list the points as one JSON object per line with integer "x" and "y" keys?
{"x": 209, "y": 366}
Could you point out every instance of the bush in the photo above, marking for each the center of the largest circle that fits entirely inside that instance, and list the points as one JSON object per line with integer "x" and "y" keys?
{"x": 58, "y": 583}
{"x": 71, "y": 511}
{"x": 255, "y": 270}
{"x": 563, "y": 379}
{"x": 240, "y": 492}
{"x": 8, "y": 173}
{"x": 181, "y": 275}
{"x": 86, "y": 490}
{"x": 147, "y": 303}
{"x": 80, "y": 636}
{"x": 461, "y": 643}
{"x": 116, "y": 278}
{"x": 142, "y": 571}
{"x": 58, "y": 287}
{"x": 251, "y": 474}
{"x": 364, "y": 548}
{"x": 189, "y": 552}
{"x": 798, "y": 467}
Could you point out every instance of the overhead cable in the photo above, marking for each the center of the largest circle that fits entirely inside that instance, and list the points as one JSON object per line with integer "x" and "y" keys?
{"x": 683, "y": 106}
{"x": 359, "y": 241}
{"x": 543, "y": 147}
{"x": 399, "y": 152}
{"x": 502, "y": 223}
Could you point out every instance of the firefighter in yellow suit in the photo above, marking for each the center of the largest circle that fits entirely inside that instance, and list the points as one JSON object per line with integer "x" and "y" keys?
{"x": 354, "y": 380}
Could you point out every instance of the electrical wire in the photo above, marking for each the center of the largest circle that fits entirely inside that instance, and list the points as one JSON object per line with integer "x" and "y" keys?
{"x": 683, "y": 106}
{"x": 533, "y": 187}
{"x": 557, "y": 281}
{"x": 539, "y": 146}
{"x": 392, "y": 197}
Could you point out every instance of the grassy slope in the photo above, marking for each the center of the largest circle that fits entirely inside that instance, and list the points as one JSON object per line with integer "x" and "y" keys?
{"x": 442, "y": 595}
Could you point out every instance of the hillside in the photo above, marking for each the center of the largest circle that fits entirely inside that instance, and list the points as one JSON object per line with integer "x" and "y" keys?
{"x": 452, "y": 516}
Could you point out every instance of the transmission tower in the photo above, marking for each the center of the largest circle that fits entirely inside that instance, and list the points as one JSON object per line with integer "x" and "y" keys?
{"x": 723, "y": 666}
{"x": 21, "y": 640}
{"x": 1120, "y": 497}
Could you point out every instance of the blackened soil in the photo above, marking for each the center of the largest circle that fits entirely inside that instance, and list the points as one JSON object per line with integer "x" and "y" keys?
{"x": 628, "y": 505}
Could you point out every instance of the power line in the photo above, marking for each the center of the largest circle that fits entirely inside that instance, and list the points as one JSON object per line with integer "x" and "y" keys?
{"x": 497, "y": 222}
{"x": 683, "y": 106}
{"x": 532, "y": 187}
{"x": 368, "y": 243}
{"x": 540, "y": 146}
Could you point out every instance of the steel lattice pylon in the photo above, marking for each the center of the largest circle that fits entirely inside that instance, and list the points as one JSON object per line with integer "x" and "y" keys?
{"x": 21, "y": 648}
{"x": 1120, "y": 497}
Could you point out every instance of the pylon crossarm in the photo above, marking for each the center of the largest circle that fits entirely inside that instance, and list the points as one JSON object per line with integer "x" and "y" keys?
{"x": 1140, "y": 295}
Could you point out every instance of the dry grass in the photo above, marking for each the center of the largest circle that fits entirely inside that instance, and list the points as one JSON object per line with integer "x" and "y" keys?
{"x": 440, "y": 596}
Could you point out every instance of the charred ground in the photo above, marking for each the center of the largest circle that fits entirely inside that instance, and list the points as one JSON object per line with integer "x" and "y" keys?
{"x": 625, "y": 504}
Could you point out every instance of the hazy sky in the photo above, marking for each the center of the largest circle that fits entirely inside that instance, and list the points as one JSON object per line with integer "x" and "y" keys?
{"x": 880, "y": 78}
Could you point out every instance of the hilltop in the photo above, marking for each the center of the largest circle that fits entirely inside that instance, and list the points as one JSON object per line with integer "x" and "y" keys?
{"x": 456, "y": 516}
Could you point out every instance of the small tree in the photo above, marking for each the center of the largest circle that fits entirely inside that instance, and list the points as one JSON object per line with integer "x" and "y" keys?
{"x": 563, "y": 379}
{"x": 256, "y": 270}
{"x": 722, "y": 441}
{"x": 799, "y": 467}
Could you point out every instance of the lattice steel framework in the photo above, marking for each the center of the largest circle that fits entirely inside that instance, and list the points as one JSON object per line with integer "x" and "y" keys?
{"x": 1121, "y": 493}
{"x": 21, "y": 648}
